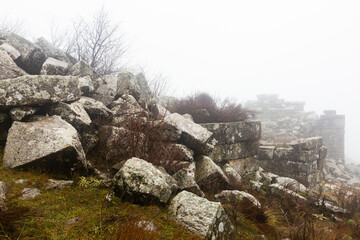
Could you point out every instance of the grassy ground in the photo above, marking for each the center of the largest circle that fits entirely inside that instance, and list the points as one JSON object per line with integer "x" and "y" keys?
{"x": 45, "y": 216}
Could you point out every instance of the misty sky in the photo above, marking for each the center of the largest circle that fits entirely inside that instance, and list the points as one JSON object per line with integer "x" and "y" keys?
{"x": 301, "y": 50}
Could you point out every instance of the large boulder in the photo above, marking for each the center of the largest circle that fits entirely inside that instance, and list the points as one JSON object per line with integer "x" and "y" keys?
{"x": 126, "y": 107}
{"x": 234, "y": 197}
{"x": 193, "y": 135}
{"x": 51, "y": 51}
{"x": 10, "y": 50}
{"x": 233, "y": 176}
{"x": 53, "y": 66}
{"x": 31, "y": 56}
{"x": 105, "y": 90}
{"x": 49, "y": 143}
{"x": 19, "y": 113}
{"x": 209, "y": 176}
{"x": 234, "y": 132}
{"x": 8, "y": 68}
{"x": 141, "y": 182}
{"x": 74, "y": 113}
{"x": 82, "y": 69}
{"x": 201, "y": 216}
{"x": 135, "y": 85}
{"x": 37, "y": 90}
{"x": 185, "y": 179}
{"x": 95, "y": 109}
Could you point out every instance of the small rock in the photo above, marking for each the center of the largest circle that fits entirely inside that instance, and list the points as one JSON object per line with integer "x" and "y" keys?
{"x": 146, "y": 225}
{"x": 54, "y": 184}
{"x": 30, "y": 193}
{"x": 73, "y": 221}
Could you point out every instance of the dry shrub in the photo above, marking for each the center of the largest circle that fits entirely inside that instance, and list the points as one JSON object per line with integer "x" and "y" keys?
{"x": 144, "y": 139}
{"x": 205, "y": 109}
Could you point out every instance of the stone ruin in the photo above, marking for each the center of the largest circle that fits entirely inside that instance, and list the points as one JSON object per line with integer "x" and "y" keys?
{"x": 53, "y": 110}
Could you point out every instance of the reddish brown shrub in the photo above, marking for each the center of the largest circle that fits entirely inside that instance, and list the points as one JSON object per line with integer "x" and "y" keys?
{"x": 205, "y": 109}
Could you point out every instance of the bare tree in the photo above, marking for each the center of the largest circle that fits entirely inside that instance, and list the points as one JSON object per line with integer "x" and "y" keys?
{"x": 159, "y": 84}
{"x": 97, "y": 41}
{"x": 16, "y": 26}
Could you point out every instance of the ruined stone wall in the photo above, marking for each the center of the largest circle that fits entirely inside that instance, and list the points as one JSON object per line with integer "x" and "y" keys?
{"x": 236, "y": 143}
{"x": 303, "y": 160}
{"x": 286, "y": 121}
{"x": 332, "y": 128}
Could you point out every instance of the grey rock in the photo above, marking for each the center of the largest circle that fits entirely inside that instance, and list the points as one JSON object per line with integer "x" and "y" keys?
{"x": 19, "y": 113}
{"x": 50, "y": 143}
{"x": 201, "y": 216}
{"x": 53, "y": 66}
{"x": 185, "y": 179}
{"x": 193, "y": 135}
{"x": 10, "y": 50}
{"x": 279, "y": 189}
{"x": 35, "y": 90}
{"x": 135, "y": 85}
{"x": 235, "y": 132}
{"x": 73, "y": 221}
{"x": 126, "y": 107}
{"x": 188, "y": 116}
{"x": 83, "y": 69}
{"x": 179, "y": 152}
{"x": 233, "y": 176}
{"x": 21, "y": 181}
{"x": 227, "y": 152}
{"x": 291, "y": 184}
{"x": 233, "y": 197}
{"x": 51, "y": 51}
{"x": 54, "y": 184}
{"x": 332, "y": 207}
{"x": 255, "y": 185}
{"x": 105, "y": 90}
{"x": 142, "y": 182}
{"x": 95, "y": 109}
{"x": 74, "y": 113}
{"x": 8, "y": 68}
{"x": 86, "y": 86}
{"x": 209, "y": 176}
{"x": 30, "y": 193}
{"x": 146, "y": 225}
{"x": 4, "y": 189}
{"x": 31, "y": 56}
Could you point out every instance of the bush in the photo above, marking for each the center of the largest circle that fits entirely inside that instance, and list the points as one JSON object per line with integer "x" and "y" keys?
{"x": 205, "y": 109}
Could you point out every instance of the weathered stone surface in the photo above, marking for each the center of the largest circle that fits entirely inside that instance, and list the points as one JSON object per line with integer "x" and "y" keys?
{"x": 185, "y": 179}
{"x": 291, "y": 184}
{"x": 279, "y": 189}
{"x": 19, "y": 113}
{"x": 31, "y": 56}
{"x": 244, "y": 166}
{"x": 233, "y": 176}
{"x": 50, "y": 51}
{"x": 86, "y": 86}
{"x": 10, "y": 50}
{"x": 53, "y": 66}
{"x": 35, "y": 90}
{"x": 225, "y": 153}
{"x": 4, "y": 188}
{"x": 233, "y": 197}
{"x": 209, "y": 176}
{"x": 307, "y": 144}
{"x": 146, "y": 225}
{"x": 142, "y": 182}
{"x": 179, "y": 152}
{"x": 234, "y": 132}
{"x": 8, "y": 68}
{"x": 134, "y": 85}
{"x": 126, "y": 107}
{"x": 95, "y": 109}
{"x": 54, "y": 184}
{"x": 83, "y": 69}
{"x": 192, "y": 135}
{"x": 200, "y": 216}
{"x": 105, "y": 90}
{"x": 30, "y": 193}
{"x": 74, "y": 113}
{"x": 266, "y": 152}
{"x": 50, "y": 143}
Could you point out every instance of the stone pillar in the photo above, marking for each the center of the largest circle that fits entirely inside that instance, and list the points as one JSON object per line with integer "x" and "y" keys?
{"x": 332, "y": 128}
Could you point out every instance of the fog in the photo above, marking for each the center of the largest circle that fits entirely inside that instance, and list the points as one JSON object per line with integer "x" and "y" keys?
{"x": 301, "y": 50}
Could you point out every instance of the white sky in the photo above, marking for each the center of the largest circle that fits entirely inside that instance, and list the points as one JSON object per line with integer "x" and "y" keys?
{"x": 301, "y": 50}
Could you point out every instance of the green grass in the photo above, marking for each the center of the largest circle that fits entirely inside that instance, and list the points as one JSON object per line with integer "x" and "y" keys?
{"x": 45, "y": 216}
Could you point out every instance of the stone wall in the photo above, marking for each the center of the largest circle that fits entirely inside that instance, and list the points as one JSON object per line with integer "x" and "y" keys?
{"x": 286, "y": 121}
{"x": 303, "y": 160}
{"x": 236, "y": 143}
{"x": 332, "y": 128}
